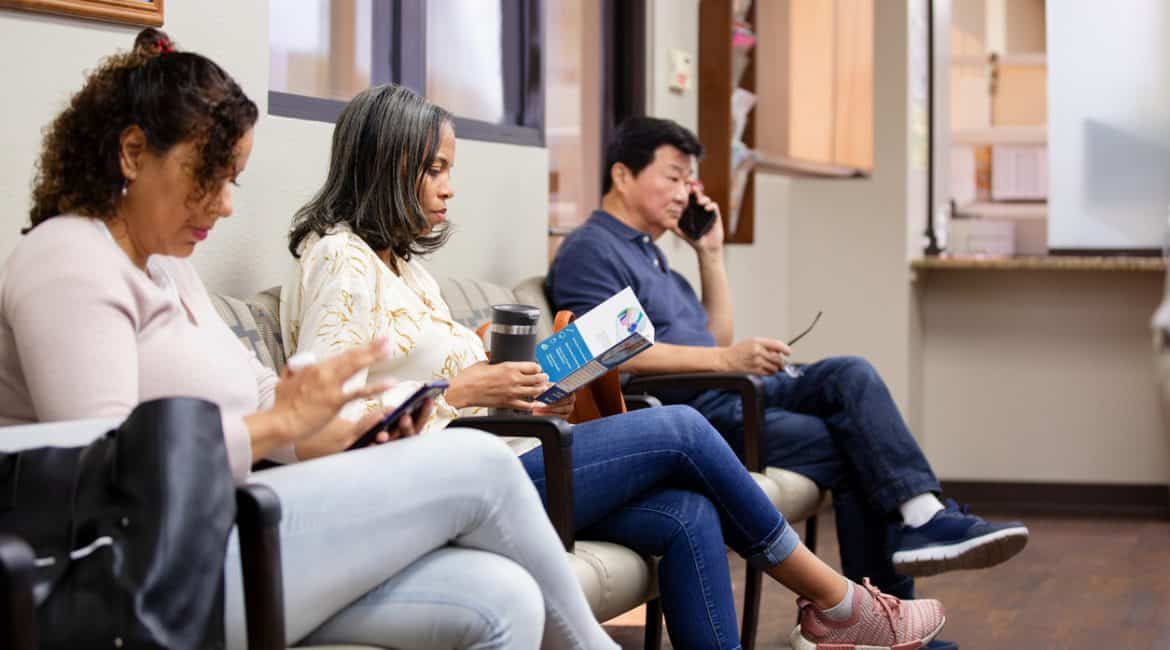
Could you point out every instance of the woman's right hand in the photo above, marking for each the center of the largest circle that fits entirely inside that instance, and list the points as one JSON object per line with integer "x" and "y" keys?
{"x": 308, "y": 399}
{"x": 510, "y": 384}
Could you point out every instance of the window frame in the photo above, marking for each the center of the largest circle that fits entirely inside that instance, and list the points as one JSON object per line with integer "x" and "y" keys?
{"x": 399, "y": 56}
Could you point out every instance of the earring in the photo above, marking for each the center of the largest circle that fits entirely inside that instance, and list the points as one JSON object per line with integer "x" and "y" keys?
{"x": 124, "y": 186}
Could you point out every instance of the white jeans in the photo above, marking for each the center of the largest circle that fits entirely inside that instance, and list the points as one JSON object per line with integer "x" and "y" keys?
{"x": 438, "y": 541}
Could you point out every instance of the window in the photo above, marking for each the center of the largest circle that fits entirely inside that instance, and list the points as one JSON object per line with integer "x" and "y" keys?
{"x": 573, "y": 108}
{"x": 480, "y": 59}
{"x": 322, "y": 50}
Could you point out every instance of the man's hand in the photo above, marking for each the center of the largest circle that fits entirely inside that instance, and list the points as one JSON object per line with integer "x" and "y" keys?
{"x": 757, "y": 356}
{"x": 712, "y": 242}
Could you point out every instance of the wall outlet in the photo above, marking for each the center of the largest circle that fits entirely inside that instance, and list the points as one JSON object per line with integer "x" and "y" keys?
{"x": 680, "y": 71}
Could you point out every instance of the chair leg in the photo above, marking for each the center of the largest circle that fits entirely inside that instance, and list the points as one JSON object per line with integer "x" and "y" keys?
{"x": 810, "y": 542}
{"x": 810, "y": 533}
{"x": 654, "y": 624}
{"x": 751, "y": 608}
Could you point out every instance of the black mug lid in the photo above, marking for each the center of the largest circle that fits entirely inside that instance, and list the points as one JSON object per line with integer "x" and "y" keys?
{"x": 515, "y": 314}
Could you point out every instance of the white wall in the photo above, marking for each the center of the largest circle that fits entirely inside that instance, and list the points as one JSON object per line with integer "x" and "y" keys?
{"x": 674, "y": 24}
{"x": 845, "y": 241}
{"x": 500, "y": 211}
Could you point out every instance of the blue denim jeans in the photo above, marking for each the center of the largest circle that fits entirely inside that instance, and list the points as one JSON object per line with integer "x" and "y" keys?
{"x": 837, "y": 424}
{"x": 663, "y": 482}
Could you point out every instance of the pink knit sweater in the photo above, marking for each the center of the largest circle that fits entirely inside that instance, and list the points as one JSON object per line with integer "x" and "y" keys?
{"x": 84, "y": 333}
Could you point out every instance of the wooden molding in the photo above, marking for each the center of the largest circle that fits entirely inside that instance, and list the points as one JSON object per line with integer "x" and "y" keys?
{"x": 129, "y": 12}
{"x": 1087, "y": 499}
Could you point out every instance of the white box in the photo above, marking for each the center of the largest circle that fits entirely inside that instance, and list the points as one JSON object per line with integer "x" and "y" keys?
{"x": 1019, "y": 172}
{"x": 963, "y": 174}
{"x": 982, "y": 237}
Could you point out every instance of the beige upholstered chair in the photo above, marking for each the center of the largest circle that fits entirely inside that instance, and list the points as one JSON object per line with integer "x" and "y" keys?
{"x": 615, "y": 579}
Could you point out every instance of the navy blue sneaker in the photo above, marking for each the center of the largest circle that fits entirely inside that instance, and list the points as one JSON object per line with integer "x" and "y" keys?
{"x": 955, "y": 539}
{"x": 939, "y": 644}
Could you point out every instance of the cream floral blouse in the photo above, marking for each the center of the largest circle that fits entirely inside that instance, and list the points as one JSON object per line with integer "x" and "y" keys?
{"x": 343, "y": 295}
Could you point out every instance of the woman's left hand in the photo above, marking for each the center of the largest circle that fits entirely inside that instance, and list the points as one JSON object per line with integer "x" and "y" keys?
{"x": 562, "y": 409}
{"x": 340, "y": 433}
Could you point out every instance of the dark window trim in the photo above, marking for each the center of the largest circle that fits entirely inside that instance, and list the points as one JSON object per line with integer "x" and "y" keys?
{"x": 399, "y": 55}
{"x": 304, "y": 107}
{"x": 623, "y": 66}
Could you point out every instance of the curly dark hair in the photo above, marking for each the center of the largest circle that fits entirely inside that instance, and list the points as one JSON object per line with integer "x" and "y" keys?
{"x": 172, "y": 96}
{"x": 383, "y": 143}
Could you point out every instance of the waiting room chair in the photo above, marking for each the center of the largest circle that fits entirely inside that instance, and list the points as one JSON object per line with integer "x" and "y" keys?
{"x": 614, "y": 578}
{"x": 794, "y": 495}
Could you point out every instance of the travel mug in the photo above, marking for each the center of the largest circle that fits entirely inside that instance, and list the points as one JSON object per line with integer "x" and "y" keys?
{"x": 513, "y": 337}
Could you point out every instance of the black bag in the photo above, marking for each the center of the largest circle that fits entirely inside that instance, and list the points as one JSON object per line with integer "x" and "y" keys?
{"x": 130, "y": 531}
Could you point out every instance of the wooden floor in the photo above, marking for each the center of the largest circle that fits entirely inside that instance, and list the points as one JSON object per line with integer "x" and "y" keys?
{"x": 1081, "y": 584}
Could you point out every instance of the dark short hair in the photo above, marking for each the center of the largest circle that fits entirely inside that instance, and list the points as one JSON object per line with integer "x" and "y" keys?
{"x": 172, "y": 96}
{"x": 384, "y": 141}
{"x": 638, "y": 138}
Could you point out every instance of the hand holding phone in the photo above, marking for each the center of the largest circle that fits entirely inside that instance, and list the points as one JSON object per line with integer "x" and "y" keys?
{"x": 412, "y": 405}
{"x": 696, "y": 220}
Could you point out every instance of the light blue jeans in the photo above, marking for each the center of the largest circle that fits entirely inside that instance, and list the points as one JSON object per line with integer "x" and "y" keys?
{"x": 438, "y": 541}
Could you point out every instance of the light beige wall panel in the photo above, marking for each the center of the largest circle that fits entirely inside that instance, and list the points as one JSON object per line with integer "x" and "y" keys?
{"x": 853, "y": 96}
{"x": 811, "y": 68}
{"x": 1042, "y": 376}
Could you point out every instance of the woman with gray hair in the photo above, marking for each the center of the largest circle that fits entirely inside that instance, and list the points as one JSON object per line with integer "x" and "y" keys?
{"x": 661, "y": 481}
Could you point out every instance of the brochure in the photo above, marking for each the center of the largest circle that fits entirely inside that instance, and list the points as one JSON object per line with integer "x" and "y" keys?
{"x": 604, "y": 338}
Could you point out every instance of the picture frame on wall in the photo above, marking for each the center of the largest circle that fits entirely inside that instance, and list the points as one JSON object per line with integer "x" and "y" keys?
{"x": 128, "y": 12}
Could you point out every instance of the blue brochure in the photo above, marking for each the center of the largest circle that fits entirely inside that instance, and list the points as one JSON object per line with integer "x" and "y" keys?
{"x": 604, "y": 338}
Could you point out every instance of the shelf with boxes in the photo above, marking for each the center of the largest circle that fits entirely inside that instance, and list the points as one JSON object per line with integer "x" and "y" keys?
{"x": 997, "y": 170}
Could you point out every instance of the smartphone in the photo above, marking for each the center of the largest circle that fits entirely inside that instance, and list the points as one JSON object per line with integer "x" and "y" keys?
{"x": 411, "y": 405}
{"x": 696, "y": 220}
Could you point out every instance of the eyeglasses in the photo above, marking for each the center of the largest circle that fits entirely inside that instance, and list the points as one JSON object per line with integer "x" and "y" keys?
{"x": 794, "y": 371}
{"x": 807, "y": 329}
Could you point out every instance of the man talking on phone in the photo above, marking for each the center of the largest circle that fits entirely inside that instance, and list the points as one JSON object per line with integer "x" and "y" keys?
{"x": 833, "y": 421}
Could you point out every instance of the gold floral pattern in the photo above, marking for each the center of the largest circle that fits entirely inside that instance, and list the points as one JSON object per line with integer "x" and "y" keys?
{"x": 344, "y": 295}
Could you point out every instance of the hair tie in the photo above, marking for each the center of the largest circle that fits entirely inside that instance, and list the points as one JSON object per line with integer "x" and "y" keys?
{"x": 164, "y": 46}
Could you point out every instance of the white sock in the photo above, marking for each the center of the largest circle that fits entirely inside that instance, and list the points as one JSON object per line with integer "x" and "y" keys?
{"x": 842, "y": 610}
{"x": 918, "y": 510}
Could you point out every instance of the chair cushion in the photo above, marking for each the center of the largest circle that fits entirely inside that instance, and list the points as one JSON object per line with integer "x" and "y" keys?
{"x": 531, "y": 292}
{"x": 265, "y": 307}
{"x": 471, "y": 300}
{"x": 240, "y": 319}
{"x": 769, "y": 487}
{"x": 614, "y": 578}
{"x": 800, "y": 498}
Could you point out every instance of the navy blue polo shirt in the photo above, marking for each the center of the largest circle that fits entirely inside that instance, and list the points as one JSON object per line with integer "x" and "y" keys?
{"x": 604, "y": 256}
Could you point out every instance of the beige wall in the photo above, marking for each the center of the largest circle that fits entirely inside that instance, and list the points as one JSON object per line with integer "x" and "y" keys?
{"x": 1042, "y": 376}
{"x": 500, "y": 211}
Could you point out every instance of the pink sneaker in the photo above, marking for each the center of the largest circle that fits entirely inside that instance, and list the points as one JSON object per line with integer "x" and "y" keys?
{"x": 879, "y": 622}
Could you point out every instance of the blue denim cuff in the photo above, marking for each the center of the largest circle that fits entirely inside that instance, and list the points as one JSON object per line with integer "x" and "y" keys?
{"x": 776, "y": 552}
{"x": 893, "y": 494}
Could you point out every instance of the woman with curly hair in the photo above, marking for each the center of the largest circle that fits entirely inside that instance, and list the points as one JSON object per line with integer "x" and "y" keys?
{"x": 100, "y": 310}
